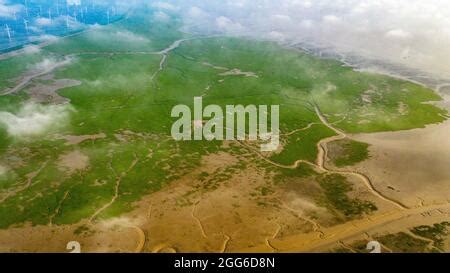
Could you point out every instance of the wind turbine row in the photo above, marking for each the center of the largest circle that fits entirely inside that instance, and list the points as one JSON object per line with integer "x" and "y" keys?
{"x": 79, "y": 13}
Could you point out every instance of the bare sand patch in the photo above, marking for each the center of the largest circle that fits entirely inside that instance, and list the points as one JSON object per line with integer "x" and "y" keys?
{"x": 212, "y": 162}
{"x": 97, "y": 239}
{"x": 73, "y": 161}
{"x": 411, "y": 166}
{"x": 370, "y": 95}
{"x": 214, "y": 66}
{"x": 189, "y": 216}
{"x": 3, "y": 170}
{"x": 392, "y": 220}
{"x": 75, "y": 140}
{"x": 126, "y": 136}
{"x": 404, "y": 224}
{"x": 403, "y": 108}
{"x": 444, "y": 91}
{"x": 238, "y": 72}
{"x": 47, "y": 93}
{"x": 329, "y": 88}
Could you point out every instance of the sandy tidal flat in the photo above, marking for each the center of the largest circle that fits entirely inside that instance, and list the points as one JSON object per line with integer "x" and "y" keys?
{"x": 411, "y": 166}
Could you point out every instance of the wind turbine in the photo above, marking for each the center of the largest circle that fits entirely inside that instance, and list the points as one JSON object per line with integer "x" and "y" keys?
{"x": 8, "y": 32}
{"x": 26, "y": 7}
{"x": 25, "y": 22}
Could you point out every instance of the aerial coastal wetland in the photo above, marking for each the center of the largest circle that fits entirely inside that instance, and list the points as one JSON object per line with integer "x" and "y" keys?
{"x": 419, "y": 239}
{"x": 107, "y": 170}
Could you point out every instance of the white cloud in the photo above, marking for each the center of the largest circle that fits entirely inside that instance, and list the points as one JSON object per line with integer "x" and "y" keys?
{"x": 33, "y": 119}
{"x": 306, "y": 4}
{"x": 130, "y": 37}
{"x": 223, "y": 22}
{"x": 96, "y": 26}
{"x": 35, "y": 29}
{"x": 227, "y": 25}
{"x": 122, "y": 36}
{"x": 281, "y": 18}
{"x": 330, "y": 18}
{"x": 164, "y": 5}
{"x": 7, "y": 10}
{"x": 306, "y": 23}
{"x": 414, "y": 33}
{"x": 45, "y": 38}
{"x": 276, "y": 36}
{"x": 42, "y": 22}
{"x": 49, "y": 64}
{"x": 44, "y": 65}
{"x": 31, "y": 49}
{"x": 382, "y": 29}
{"x": 196, "y": 12}
{"x": 161, "y": 16}
{"x": 398, "y": 34}
{"x": 74, "y": 2}
{"x": 72, "y": 22}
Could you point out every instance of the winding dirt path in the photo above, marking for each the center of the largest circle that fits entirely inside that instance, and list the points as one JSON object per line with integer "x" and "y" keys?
{"x": 141, "y": 240}
{"x": 428, "y": 240}
{"x": 316, "y": 226}
{"x": 329, "y": 236}
{"x": 165, "y": 53}
{"x": 273, "y": 237}
{"x": 116, "y": 189}
{"x": 320, "y": 164}
{"x": 345, "y": 246}
{"x": 26, "y": 80}
{"x": 225, "y": 243}
{"x": 301, "y": 129}
{"x": 310, "y": 242}
{"x": 198, "y": 221}
{"x": 29, "y": 183}
{"x": 323, "y": 155}
{"x": 441, "y": 86}
{"x": 58, "y": 208}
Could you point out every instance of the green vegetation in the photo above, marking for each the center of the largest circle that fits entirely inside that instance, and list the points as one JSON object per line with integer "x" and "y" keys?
{"x": 348, "y": 152}
{"x": 12, "y": 68}
{"x": 438, "y": 233}
{"x": 302, "y": 145}
{"x": 301, "y": 171}
{"x": 119, "y": 98}
{"x": 81, "y": 230}
{"x": 335, "y": 189}
{"x": 398, "y": 243}
{"x": 403, "y": 243}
